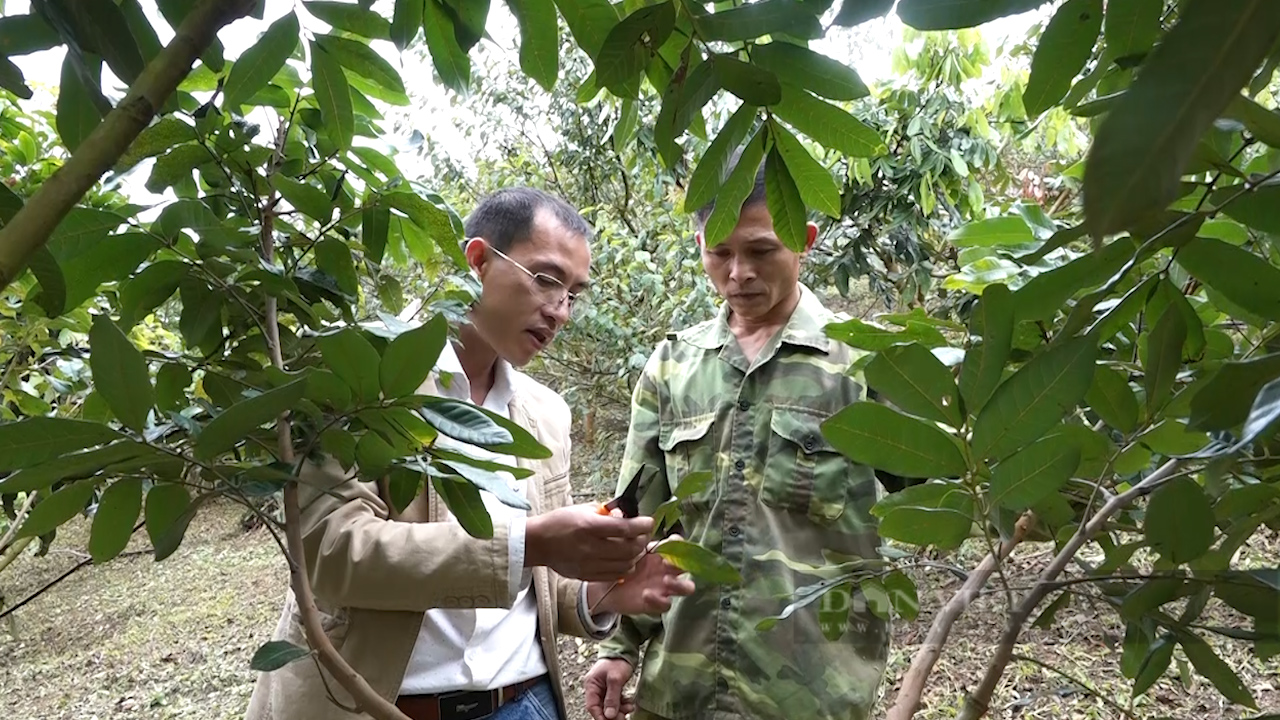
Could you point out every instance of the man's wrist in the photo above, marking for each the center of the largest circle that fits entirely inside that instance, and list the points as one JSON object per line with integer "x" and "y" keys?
{"x": 533, "y": 556}
{"x": 598, "y": 602}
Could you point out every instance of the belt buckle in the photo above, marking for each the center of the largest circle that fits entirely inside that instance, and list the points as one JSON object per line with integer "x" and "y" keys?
{"x": 467, "y": 705}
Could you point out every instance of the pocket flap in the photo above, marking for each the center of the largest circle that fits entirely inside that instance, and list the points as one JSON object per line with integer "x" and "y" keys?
{"x": 678, "y": 431}
{"x": 802, "y": 428}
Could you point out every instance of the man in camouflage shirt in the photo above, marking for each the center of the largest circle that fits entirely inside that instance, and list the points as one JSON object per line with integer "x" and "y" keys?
{"x": 744, "y": 396}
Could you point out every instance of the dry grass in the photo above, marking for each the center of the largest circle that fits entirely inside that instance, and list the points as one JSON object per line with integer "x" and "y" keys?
{"x": 136, "y": 639}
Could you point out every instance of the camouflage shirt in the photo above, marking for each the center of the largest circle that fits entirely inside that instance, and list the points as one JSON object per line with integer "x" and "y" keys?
{"x": 779, "y": 487}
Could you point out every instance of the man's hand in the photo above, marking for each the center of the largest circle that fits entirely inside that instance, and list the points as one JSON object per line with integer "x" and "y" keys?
{"x": 577, "y": 542}
{"x": 604, "y": 685}
{"x": 647, "y": 590}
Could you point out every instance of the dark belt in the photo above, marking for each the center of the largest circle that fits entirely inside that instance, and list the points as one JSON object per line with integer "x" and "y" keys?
{"x": 465, "y": 705}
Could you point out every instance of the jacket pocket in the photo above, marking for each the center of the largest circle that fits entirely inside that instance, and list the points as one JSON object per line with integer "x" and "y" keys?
{"x": 803, "y": 472}
{"x": 687, "y": 446}
{"x": 335, "y": 626}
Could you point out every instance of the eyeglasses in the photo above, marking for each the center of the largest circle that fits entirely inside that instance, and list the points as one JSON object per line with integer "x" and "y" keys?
{"x": 549, "y": 288}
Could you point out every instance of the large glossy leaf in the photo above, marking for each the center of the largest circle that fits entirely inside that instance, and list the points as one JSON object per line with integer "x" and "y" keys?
{"x": 410, "y": 357}
{"x": 362, "y": 60}
{"x": 354, "y": 359}
{"x": 77, "y": 114}
{"x": 434, "y": 218}
{"x": 539, "y": 40}
{"x": 275, "y": 654}
{"x": 73, "y": 465}
{"x": 1224, "y": 678}
{"x": 113, "y": 522}
{"x": 956, "y": 14}
{"x": 709, "y": 176}
{"x": 699, "y": 562}
{"x": 375, "y": 225}
{"x": 912, "y": 378}
{"x": 152, "y": 286}
{"x": 983, "y": 367}
{"x": 1132, "y": 26}
{"x": 463, "y": 421}
{"x": 54, "y": 510}
{"x": 25, "y": 34}
{"x": 304, "y": 197}
{"x": 835, "y": 128}
{"x": 1154, "y": 665}
{"x": 622, "y": 57}
{"x": 11, "y": 79}
{"x": 1164, "y": 357}
{"x": 1242, "y": 277}
{"x": 1146, "y": 142}
{"x": 1046, "y": 294}
{"x": 489, "y": 481}
{"x": 750, "y": 21}
{"x": 1224, "y": 401}
{"x": 817, "y": 188}
{"x": 333, "y": 95}
{"x": 589, "y": 22}
{"x": 681, "y": 103}
{"x": 749, "y": 82}
{"x": 1034, "y": 472}
{"x": 856, "y": 12}
{"x": 168, "y": 507}
{"x": 866, "y": 336}
{"x": 935, "y": 513}
{"x": 1179, "y": 521}
{"x": 1010, "y": 230}
{"x": 782, "y": 197}
{"x": 120, "y": 374}
{"x": 1113, "y": 400}
{"x": 737, "y": 186}
{"x": 464, "y": 502}
{"x": 255, "y": 68}
{"x": 34, "y": 440}
{"x": 804, "y": 68}
{"x": 1034, "y": 399}
{"x": 1064, "y": 48}
{"x": 451, "y": 61}
{"x": 351, "y": 18}
{"x": 885, "y": 439}
{"x": 233, "y": 424}
{"x": 406, "y": 21}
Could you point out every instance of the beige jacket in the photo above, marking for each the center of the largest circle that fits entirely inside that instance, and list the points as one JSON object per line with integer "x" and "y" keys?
{"x": 374, "y": 577}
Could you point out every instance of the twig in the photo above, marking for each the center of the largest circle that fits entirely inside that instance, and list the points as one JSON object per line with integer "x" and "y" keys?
{"x": 978, "y": 702}
{"x": 52, "y": 583}
{"x": 17, "y": 520}
{"x": 913, "y": 684}
{"x": 1078, "y": 683}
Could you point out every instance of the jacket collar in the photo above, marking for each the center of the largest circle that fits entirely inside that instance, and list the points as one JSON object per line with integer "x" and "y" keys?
{"x": 804, "y": 327}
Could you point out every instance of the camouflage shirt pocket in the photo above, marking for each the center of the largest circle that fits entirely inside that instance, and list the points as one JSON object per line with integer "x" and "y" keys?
{"x": 803, "y": 473}
{"x": 686, "y": 445}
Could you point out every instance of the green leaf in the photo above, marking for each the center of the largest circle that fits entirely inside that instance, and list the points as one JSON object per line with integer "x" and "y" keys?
{"x": 463, "y": 421}
{"x": 1164, "y": 357}
{"x": 174, "y": 12}
{"x": 912, "y": 378}
{"x": 866, "y": 336}
{"x": 490, "y": 482}
{"x": 26, "y": 34}
{"x": 32, "y": 441}
{"x": 456, "y": 458}
{"x": 113, "y": 522}
{"x": 435, "y": 219}
{"x": 51, "y": 512}
{"x": 700, "y": 562}
{"x": 77, "y": 114}
{"x": 1034, "y": 399}
{"x": 155, "y": 284}
{"x": 354, "y": 359}
{"x": 622, "y": 57}
{"x": 681, "y": 103}
{"x": 1263, "y": 123}
{"x": 406, "y": 20}
{"x": 1113, "y": 400}
{"x": 736, "y": 188}
{"x": 589, "y": 22}
{"x": 856, "y": 12}
{"x": 1046, "y": 294}
{"x": 172, "y": 382}
{"x": 1264, "y": 415}
{"x": 120, "y": 374}
{"x": 539, "y": 40}
{"x": 374, "y": 455}
{"x": 984, "y": 362}
{"x": 804, "y": 68}
{"x": 333, "y": 258}
{"x": 74, "y": 465}
{"x": 464, "y": 502}
{"x": 451, "y": 61}
{"x": 1241, "y": 276}
{"x": 409, "y": 359}
{"x": 1064, "y": 48}
{"x": 11, "y": 79}
{"x": 1179, "y": 521}
{"x": 885, "y": 439}
{"x": 1034, "y": 473}
{"x": 1132, "y": 26}
{"x": 831, "y": 126}
{"x": 276, "y": 654}
{"x": 753, "y": 20}
{"x": 902, "y": 593}
{"x": 351, "y": 18}
{"x": 992, "y": 232}
{"x": 817, "y": 188}
{"x": 1154, "y": 665}
{"x": 709, "y": 176}
{"x": 935, "y": 513}
{"x": 167, "y": 505}
{"x": 304, "y": 197}
{"x": 155, "y": 140}
{"x": 175, "y": 166}
{"x": 1208, "y": 664}
{"x": 1225, "y": 400}
{"x": 333, "y": 95}
{"x": 229, "y": 427}
{"x": 957, "y": 14}
{"x": 260, "y": 63}
{"x": 362, "y": 60}
{"x": 1147, "y": 141}
{"x": 754, "y": 85}
{"x": 375, "y": 224}
{"x": 790, "y": 221}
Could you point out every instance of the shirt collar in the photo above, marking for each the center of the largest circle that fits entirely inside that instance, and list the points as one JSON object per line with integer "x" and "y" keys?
{"x": 804, "y": 327}
{"x": 459, "y": 388}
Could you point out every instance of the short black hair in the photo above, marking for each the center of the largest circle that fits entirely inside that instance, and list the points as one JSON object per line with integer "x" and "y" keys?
{"x": 756, "y": 196}
{"x": 505, "y": 217}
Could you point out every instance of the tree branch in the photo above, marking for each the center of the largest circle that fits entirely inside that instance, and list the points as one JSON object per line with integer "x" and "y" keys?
{"x": 30, "y": 229}
{"x": 913, "y": 684}
{"x": 979, "y": 701}
{"x": 17, "y": 522}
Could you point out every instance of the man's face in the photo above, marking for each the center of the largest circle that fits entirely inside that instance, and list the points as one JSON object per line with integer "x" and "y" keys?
{"x": 517, "y": 315}
{"x": 751, "y": 269}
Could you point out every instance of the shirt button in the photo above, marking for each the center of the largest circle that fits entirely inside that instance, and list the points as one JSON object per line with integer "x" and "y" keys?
{"x": 734, "y": 530}
{"x": 743, "y": 405}
{"x": 810, "y": 444}
{"x": 725, "y": 603}
{"x": 740, "y": 464}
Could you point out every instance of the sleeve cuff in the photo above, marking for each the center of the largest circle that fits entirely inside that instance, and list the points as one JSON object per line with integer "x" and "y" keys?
{"x": 515, "y": 558}
{"x": 599, "y": 626}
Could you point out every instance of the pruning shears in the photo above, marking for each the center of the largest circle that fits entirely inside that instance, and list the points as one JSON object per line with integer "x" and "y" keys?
{"x": 628, "y": 501}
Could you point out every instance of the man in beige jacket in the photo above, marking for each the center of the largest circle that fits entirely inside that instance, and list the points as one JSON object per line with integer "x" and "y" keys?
{"x": 449, "y": 626}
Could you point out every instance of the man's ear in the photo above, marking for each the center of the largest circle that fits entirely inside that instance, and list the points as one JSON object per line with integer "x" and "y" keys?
{"x": 697, "y": 237}
{"x": 811, "y": 236}
{"x": 474, "y": 250}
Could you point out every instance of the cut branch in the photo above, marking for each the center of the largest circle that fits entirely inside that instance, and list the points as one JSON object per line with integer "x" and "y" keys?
{"x": 978, "y": 702}
{"x": 31, "y": 227}
{"x": 908, "y": 702}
